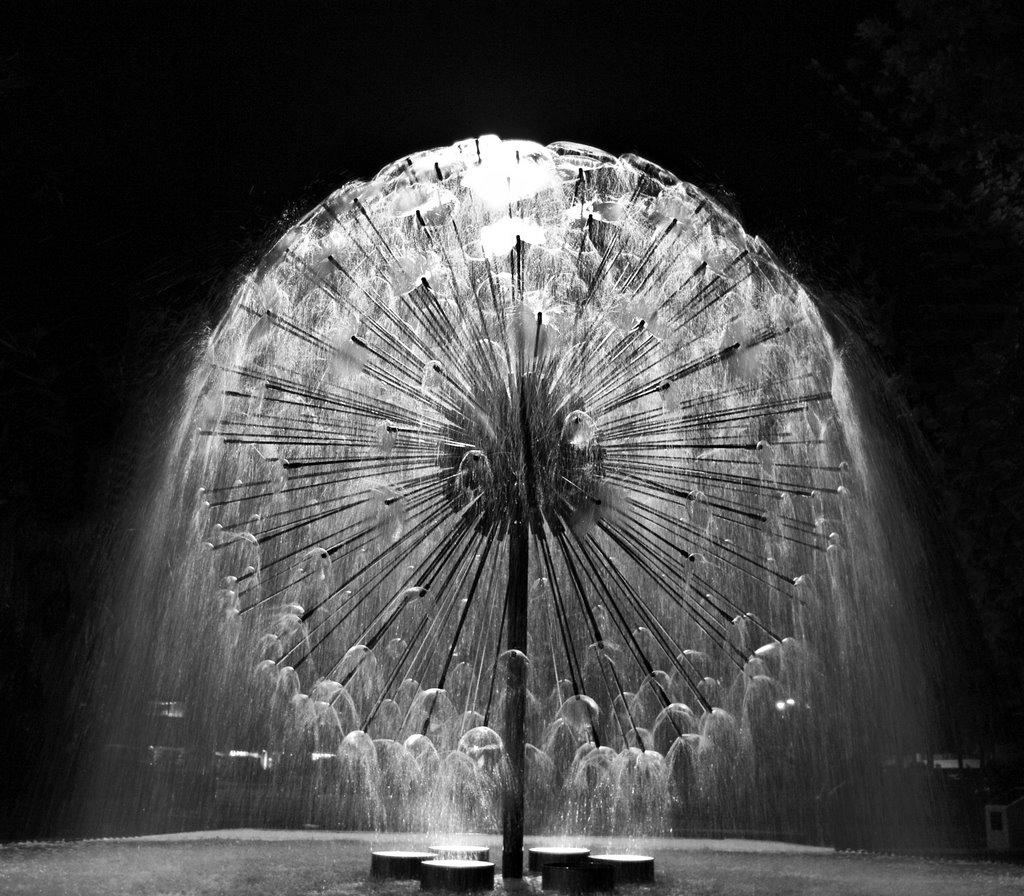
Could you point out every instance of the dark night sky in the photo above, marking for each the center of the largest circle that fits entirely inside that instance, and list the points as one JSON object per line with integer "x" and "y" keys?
{"x": 163, "y": 131}
{"x": 148, "y": 152}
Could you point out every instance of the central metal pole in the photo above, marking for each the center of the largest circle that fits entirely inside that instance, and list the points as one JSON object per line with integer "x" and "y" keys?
{"x": 515, "y": 701}
{"x": 516, "y": 599}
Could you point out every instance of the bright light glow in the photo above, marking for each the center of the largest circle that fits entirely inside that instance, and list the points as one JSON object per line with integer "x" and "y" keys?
{"x": 512, "y": 170}
{"x": 499, "y": 238}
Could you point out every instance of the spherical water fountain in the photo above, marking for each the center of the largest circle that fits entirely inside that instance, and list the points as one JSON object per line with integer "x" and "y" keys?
{"x": 525, "y": 497}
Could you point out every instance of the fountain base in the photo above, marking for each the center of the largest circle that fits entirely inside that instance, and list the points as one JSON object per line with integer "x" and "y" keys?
{"x": 556, "y": 855}
{"x": 398, "y": 864}
{"x": 629, "y": 868}
{"x": 461, "y": 875}
{"x": 461, "y": 851}
{"x": 585, "y": 877}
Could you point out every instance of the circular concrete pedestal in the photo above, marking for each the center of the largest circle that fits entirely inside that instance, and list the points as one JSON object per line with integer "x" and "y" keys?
{"x": 461, "y": 851}
{"x": 556, "y": 855}
{"x": 398, "y": 864}
{"x": 585, "y": 877}
{"x": 629, "y": 868}
{"x": 456, "y": 874}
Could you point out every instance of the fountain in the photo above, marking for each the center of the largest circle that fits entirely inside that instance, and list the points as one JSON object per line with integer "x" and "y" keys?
{"x": 398, "y": 864}
{"x": 523, "y": 487}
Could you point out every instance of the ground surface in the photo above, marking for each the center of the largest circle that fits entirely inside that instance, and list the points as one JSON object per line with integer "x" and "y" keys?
{"x": 268, "y": 863}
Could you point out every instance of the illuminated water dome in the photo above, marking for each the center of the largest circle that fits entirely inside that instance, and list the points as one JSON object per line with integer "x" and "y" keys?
{"x": 526, "y": 463}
